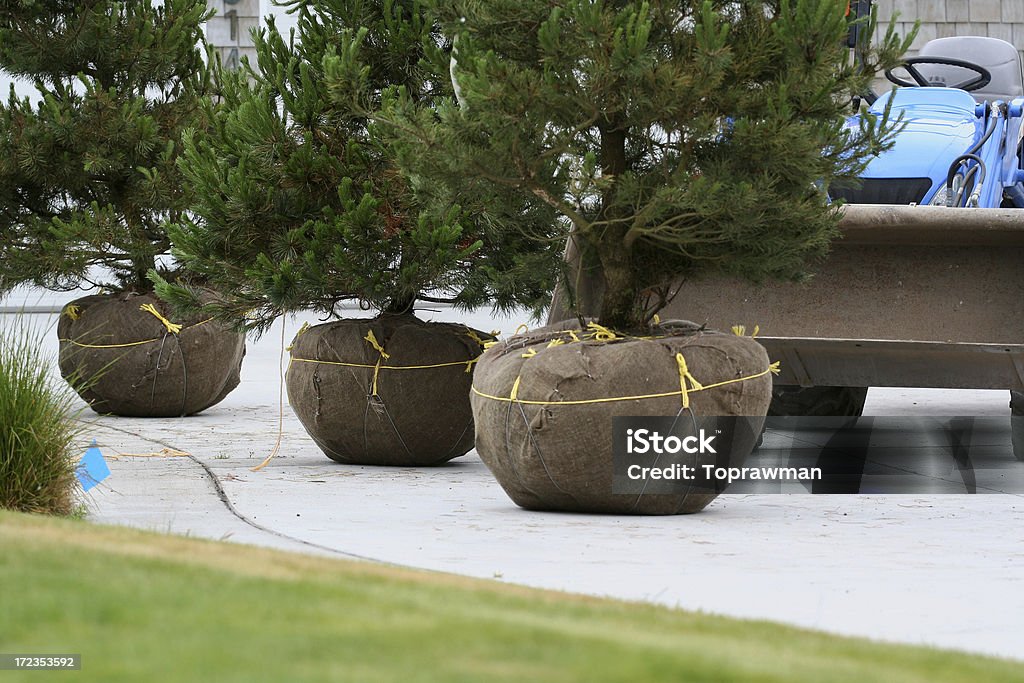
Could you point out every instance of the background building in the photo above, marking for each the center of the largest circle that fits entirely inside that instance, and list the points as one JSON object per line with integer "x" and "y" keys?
{"x": 943, "y": 18}
{"x": 229, "y": 31}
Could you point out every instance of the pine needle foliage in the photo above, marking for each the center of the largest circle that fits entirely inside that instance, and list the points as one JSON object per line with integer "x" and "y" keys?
{"x": 675, "y": 137}
{"x": 87, "y": 170}
{"x": 300, "y": 201}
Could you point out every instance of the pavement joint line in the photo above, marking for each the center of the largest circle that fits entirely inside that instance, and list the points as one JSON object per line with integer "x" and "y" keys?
{"x": 223, "y": 496}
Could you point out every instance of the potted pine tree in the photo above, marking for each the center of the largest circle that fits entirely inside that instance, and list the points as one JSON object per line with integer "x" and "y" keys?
{"x": 673, "y": 138}
{"x": 302, "y": 207}
{"x": 88, "y": 182}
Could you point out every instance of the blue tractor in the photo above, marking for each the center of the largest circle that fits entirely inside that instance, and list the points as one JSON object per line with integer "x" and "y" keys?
{"x": 962, "y": 105}
{"x": 923, "y": 288}
{"x": 961, "y": 101}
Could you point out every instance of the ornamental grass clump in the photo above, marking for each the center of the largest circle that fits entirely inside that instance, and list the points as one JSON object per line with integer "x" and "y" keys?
{"x": 38, "y": 430}
{"x": 302, "y": 206}
{"x": 674, "y": 139}
{"x": 89, "y": 182}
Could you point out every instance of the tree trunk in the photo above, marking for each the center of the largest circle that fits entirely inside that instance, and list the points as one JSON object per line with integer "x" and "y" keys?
{"x": 582, "y": 290}
{"x": 619, "y": 307}
{"x": 601, "y": 281}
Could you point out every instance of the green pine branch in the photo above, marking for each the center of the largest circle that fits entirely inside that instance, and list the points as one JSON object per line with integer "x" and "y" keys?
{"x": 675, "y": 138}
{"x": 301, "y": 201}
{"x": 88, "y": 171}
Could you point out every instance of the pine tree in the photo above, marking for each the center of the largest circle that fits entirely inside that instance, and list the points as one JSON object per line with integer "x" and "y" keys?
{"x": 674, "y": 137}
{"x": 88, "y": 174}
{"x": 300, "y": 202}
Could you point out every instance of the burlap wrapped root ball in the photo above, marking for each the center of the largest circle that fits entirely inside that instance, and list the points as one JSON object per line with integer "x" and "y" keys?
{"x": 124, "y": 360}
{"x": 393, "y": 390}
{"x": 559, "y": 457}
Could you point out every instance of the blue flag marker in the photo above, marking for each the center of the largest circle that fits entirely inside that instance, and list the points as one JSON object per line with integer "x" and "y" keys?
{"x": 92, "y": 468}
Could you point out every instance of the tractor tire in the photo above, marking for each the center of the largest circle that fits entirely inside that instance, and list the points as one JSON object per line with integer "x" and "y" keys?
{"x": 820, "y": 401}
{"x": 792, "y": 400}
{"x": 1017, "y": 423}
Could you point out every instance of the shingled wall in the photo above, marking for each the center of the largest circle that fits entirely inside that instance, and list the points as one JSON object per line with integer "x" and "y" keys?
{"x": 943, "y": 18}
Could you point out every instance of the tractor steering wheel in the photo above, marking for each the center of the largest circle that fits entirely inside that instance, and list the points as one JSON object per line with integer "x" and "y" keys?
{"x": 979, "y": 81}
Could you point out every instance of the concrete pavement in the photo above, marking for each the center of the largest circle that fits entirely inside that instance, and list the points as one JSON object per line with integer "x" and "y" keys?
{"x": 937, "y": 569}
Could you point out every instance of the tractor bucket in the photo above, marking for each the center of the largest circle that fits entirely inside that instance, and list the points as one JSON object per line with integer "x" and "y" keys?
{"x": 910, "y": 296}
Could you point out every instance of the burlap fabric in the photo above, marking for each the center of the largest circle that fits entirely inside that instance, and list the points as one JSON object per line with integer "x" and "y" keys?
{"x": 409, "y": 407}
{"x": 559, "y": 457}
{"x": 123, "y": 360}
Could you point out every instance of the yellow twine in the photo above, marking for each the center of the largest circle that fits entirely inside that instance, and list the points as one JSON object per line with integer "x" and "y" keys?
{"x": 173, "y": 328}
{"x": 684, "y": 375}
{"x": 477, "y": 338}
{"x": 593, "y": 332}
{"x": 468, "y": 363}
{"x": 515, "y": 389}
{"x": 305, "y": 326}
{"x": 522, "y": 328}
{"x": 601, "y": 333}
{"x": 657, "y": 319}
{"x": 121, "y": 346}
{"x": 280, "y": 402}
{"x": 72, "y": 311}
{"x": 741, "y": 330}
{"x": 370, "y": 337}
{"x": 513, "y": 396}
{"x": 530, "y": 354}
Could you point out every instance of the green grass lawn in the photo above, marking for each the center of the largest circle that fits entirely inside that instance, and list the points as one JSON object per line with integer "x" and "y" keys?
{"x": 147, "y": 607}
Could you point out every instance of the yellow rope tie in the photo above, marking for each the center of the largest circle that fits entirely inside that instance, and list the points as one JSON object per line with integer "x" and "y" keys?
{"x": 384, "y": 355}
{"x": 513, "y": 396}
{"x": 601, "y": 333}
{"x": 530, "y": 354}
{"x": 128, "y": 344}
{"x": 741, "y": 330}
{"x": 280, "y": 403}
{"x": 305, "y": 326}
{"x": 450, "y": 364}
{"x": 656, "y": 319}
{"x": 684, "y": 375}
{"x": 72, "y": 311}
{"x": 173, "y": 328}
{"x": 593, "y": 332}
{"x": 522, "y": 328}
{"x": 477, "y": 338}
{"x": 370, "y": 337}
